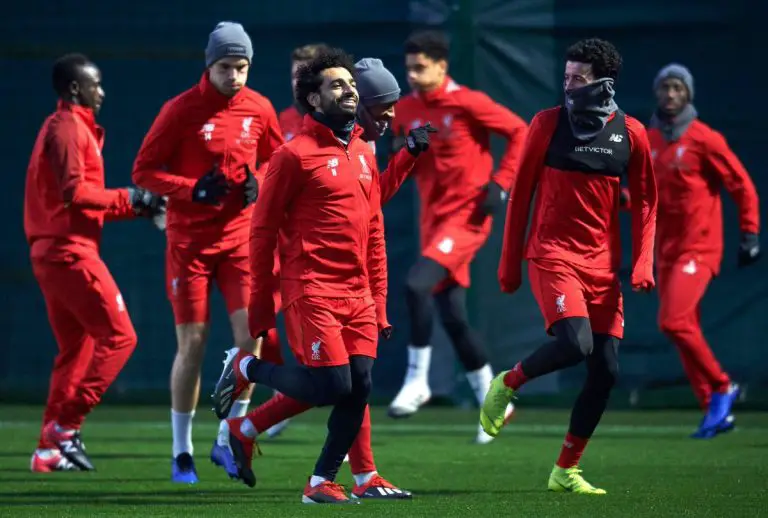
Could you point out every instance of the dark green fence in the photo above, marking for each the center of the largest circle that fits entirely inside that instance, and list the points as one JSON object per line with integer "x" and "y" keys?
{"x": 512, "y": 49}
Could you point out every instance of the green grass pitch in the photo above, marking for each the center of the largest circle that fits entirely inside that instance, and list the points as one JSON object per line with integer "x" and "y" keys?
{"x": 644, "y": 460}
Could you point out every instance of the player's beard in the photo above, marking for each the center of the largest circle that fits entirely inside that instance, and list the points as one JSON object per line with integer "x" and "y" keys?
{"x": 337, "y": 116}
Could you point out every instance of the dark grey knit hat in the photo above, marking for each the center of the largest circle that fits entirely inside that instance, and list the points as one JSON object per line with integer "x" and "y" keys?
{"x": 375, "y": 84}
{"x": 677, "y": 71}
{"x": 228, "y": 39}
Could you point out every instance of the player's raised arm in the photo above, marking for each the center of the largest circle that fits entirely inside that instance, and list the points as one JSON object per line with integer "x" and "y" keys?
{"x": 739, "y": 185}
{"x": 502, "y": 121}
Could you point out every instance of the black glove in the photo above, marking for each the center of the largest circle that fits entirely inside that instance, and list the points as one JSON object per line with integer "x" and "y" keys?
{"x": 417, "y": 140}
{"x": 210, "y": 188}
{"x": 386, "y": 333}
{"x": 749, "y": 249}
{"x": 251, "y": 187}
{"x": 145, "y": 203}
{"x": 495, "y": 198}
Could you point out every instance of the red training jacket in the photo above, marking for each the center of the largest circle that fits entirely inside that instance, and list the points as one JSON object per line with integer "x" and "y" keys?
{"x": 576, "y": 216}
{"x": 451, "y": 174}
{"x": 323, "y": 201}
{"x": 291, "y": 122}
{"x": 65, "y": 202}
{"x": 195, "y": 132}
{"x": 691, "y": 173}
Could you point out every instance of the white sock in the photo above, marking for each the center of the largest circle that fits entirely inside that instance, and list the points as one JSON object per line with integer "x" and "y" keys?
{"x": 244, "y": 365}
{"x": 46, "y": 453}
{"x": 248, "y": 429}
{"x": 480, "y": 381}
{"x": 363, "y": 478}
{"x": 222, "y": 438}
{"x": 181, "y": 423}
{"x": 315, "y": 481}
{"x": 239, "y": 408}
{"x": 419, "y": 359}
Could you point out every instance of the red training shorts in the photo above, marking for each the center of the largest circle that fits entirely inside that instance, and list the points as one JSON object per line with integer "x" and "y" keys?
{"x": 454, "y": 247}
{"x": 563, "y": 290}
{"x": 325, "y": 332}
{"x": 191, "y": 269}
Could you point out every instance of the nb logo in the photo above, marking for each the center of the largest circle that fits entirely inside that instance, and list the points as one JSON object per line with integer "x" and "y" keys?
{"x": 615, "y": 137}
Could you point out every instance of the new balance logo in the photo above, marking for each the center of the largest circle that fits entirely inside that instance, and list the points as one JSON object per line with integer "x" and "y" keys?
{"x": 615, "y": 137}
{"x": 333, "y": 163}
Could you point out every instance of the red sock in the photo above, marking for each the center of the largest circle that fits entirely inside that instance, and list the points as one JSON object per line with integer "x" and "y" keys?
{"x": 361, "y": 453}
{"x": 515, "y": 378}
{"x": 570, "y": 454}
{"x": 270, "y": 348}
{"x": 275, "y": 410}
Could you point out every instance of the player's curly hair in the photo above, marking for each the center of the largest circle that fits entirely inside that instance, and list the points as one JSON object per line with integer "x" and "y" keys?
{"x": 433, "y": 44}
{"x": 308, "y": 78}
{"x": 66, "y": 69}
{"x": 601, "y": 54}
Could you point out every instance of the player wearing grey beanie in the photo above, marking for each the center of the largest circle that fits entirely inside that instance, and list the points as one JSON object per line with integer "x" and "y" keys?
{"x": 379, "y": 92}
{"x": 228, "y": 56}
{"x": 202, "y": 152}
{"x": 228, "y": 39}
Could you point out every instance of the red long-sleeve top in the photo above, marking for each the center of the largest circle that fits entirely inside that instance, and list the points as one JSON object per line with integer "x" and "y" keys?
{"x": 321, "y": 199}
{"x": 691, "y": 173}
{"x": 575, "y": 217}
{"x": 65, "y": 200}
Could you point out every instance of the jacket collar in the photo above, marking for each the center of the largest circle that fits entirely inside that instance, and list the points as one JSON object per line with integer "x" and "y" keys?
{"x": 85, "y": 114}
{"x": 447, "y": 87}
{"x": 313, "y": 126}
{"x": 209, "y": 92}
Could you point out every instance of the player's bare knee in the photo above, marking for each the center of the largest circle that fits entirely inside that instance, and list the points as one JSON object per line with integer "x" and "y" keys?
{"x": 239, "y": 322}
{"x": 191, "y": 342}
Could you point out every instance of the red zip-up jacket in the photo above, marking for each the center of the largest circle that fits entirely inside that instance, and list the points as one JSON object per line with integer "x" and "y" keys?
{"x": 575, "y": 217}
{"x": 452, "y": 173}
{"x": 690, "y": 173}
{"x": 291, "y": 122}
{"x": 65, "y": 201}
{"x": 323, "y": 201}
{"x": 195, "y": 132}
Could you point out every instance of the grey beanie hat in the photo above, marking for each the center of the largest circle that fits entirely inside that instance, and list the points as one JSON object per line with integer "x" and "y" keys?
{"x": 677, "y": 71}
{"x": 375, "y": 84}
{"x": 228, "y": 39}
